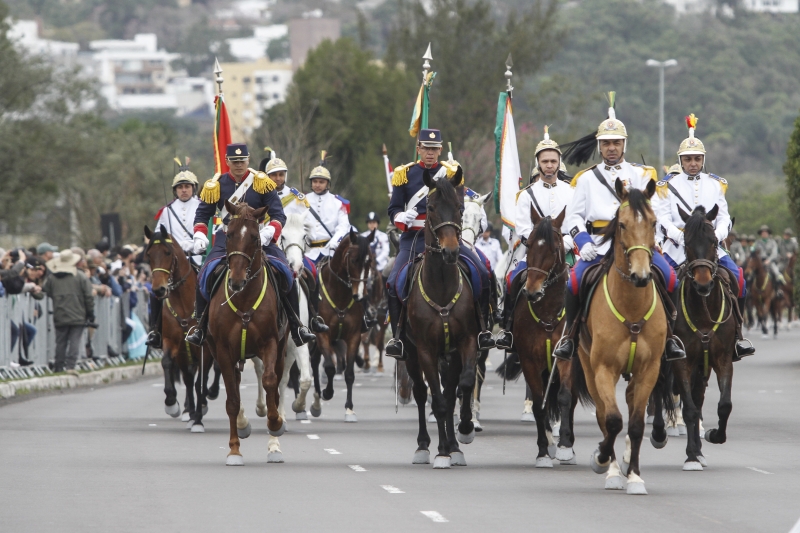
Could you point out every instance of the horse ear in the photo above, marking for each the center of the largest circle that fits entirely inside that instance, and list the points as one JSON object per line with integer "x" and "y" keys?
{"x": 163, "y": 230}
{"x": 684, "y": 215}
{"x": 650, "y": 190}
{"x": 260, "y": 212}
{"x": 733, "y": 222}
{"x": 458, "y": 179}
{"x": 485, "y": 198}
{"x": 620, "y": 188}
{"x": 230, "y": 207}
{"x": 711, "y": 215}
{"x": 147, "y": 233}
{"x": 353, "y": 235}
{"x": 371, "y": 237}
{"x": 426, "y": 178}
{"x": 535, "y": 218}
{"x": 560, "y": 218}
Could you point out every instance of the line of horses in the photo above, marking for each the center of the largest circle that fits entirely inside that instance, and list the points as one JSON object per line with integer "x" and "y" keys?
{"x": 622, "y": 334}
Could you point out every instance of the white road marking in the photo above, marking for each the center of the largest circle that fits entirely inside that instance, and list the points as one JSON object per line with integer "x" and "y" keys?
{"x": 391, "y": 489}
{"x": 305, "y": 421}
{"x": 754, "y": 469}
{"x": 796, "y": 528}
{"x": 762, "y": 391}
{"x": 332, "y": 451}
{"x": 433, "y": 515}
{"x": 313, "y": 437}
{"x": 152, "y": 425}
{"x": 358, "y": 384}
{"x": 156, "y": 385}
{"x": 357, "y": 468}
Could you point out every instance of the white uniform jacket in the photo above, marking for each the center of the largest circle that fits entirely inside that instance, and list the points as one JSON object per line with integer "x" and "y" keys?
{"x": 490, "y": 248}
{"x": 334, "y": 215}
{"x": 593, "y": 202}
{"x": 179, "y": 217}
{"x": 706, "y": 190}
{"x": 380, "y": 247}
{"x": 551, "y": 199}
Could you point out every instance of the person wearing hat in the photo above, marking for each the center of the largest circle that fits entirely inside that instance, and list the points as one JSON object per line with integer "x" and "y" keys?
{"x": 407, "y": 210}
{"x": 45, "y": 251}
{"x": 548, "y": 195}
{"x": 684, "y": 192}
{"x": 767, "y": 250}
{"x": 380, "y": 244}
{"x": 787, "y": 247}
{"x": 242, "y": 184}
{"x": 593, "y": 206}
{"x": 331, "y": 222}
{"x": 736, "y": 249}
{"x": 73, "y": 307}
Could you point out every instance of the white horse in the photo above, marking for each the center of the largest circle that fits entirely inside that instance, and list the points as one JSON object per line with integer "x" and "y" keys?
{"x": 293, "y": 242}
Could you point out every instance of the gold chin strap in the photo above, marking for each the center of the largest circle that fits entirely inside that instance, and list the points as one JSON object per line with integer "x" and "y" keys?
{"x": 633, "y": 327}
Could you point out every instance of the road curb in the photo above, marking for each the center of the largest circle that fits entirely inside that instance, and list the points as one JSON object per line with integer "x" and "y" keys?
{"x": 88, "y": 379}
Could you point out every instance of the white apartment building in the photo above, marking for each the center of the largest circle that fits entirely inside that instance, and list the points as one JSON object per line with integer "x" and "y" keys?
{"x": 255, "y": 47}
{"x": 25, "y": 34}
{"x": 760, "y": 6}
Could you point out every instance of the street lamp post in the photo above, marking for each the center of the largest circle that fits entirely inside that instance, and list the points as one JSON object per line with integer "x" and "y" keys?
{"x": 661, "y": 65}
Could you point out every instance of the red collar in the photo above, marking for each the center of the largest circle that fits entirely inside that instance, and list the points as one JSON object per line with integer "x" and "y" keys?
{"x": 234, "y": 179}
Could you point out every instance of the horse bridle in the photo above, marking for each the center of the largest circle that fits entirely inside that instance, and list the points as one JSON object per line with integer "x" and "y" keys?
{"x": 437, "y": 227}
{"x": 549, "y": 278}
{"x": 350, "y": 279}
{"x": 248, "y": 276}
{"x": 171, "y": 286}
{"x": 713, "y": 266}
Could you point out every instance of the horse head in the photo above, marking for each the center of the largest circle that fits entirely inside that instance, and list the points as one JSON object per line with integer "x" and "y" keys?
{"x": 353, "y": 261}
{"x": 443, "y": 221}
{"x": 162, "y": 257}
{"x": 471, "y": 219}
{"x": 294, "y": 239}
{"x": 701, "y": 247}
{"x": 545, "y": 258}
{"x": 243, "y": 244}
{"x": 633, "y": 232}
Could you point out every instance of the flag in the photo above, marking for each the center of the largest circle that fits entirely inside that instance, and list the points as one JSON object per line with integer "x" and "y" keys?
{"x": 419, "y": 119}
{"x": 387, "y": 167}
{"x": 222, "y": 135}
{"x": 508, "y": 177}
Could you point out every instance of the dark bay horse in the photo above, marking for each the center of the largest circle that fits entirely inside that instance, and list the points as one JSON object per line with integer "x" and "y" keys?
{"x": 376, "y": 334}
{"x": 707, "y": 327}
{"x": 342, "y": 282}
{"x": 244, "y": 321}
{"x": 762, "y": 295}
{"x": 174, "y": 282}
{"x": 537, "y": 327}
{"x": 441, "y": 327}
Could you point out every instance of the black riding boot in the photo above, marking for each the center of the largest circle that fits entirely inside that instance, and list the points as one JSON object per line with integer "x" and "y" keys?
{"x": 505, "y": 339}
{"x": 497, "y": 316}
{"x": 485, "y": 337}
{"x": 742, "y": 349}
{"x": 316, "y": 323}
{"x": 154, "y": 337}
{"x": 673, "y": 350}
{"x": 198, "y": 334}
{"x": 300, "y": 334}
{"x": 572, "y": 306}
{"x": 394, "y": 348}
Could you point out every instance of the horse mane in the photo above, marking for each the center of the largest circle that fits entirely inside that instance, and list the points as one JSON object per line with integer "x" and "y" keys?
{"x": 448, "y": 191}
{"x": 638, "y": 202}
{"x": 363, "y": 247}
{"x": 696, "y": 223}
{"x": 297, "y": 222}
{"x": 544, "y": 231}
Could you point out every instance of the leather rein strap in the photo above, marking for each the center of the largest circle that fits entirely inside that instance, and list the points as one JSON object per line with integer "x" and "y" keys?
{"x": 633, "y": 327}
{"x": 444, "y": 312}
{"x": 247, "y": 315}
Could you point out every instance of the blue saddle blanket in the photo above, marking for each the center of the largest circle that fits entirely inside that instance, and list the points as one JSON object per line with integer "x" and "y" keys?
{"x": 209, "y": 267}
{"x": 474, "y": 279}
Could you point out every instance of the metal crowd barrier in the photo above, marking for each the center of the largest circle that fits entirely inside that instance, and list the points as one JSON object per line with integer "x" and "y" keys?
{"x": 105, "y": 341}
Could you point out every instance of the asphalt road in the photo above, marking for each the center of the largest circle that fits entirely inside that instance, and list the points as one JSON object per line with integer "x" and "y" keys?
{"x": 111, "y": 460}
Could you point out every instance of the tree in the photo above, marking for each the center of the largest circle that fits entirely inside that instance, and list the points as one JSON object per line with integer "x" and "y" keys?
{"x": 792, "y": 170}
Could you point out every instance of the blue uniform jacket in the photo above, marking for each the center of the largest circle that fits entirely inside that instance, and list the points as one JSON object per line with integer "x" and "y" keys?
{"x": 401, "y": 194}
{"x": 255, "y": 200}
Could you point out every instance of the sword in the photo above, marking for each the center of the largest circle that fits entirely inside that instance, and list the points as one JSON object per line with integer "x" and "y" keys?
{"x": 396, "y": 389}
{"x": 549, "y": 382}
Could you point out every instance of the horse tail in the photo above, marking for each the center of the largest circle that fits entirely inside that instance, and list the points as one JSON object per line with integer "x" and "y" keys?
{"x": 579, "y": 383}
{"x": 663, "y": 390}
{"x": 510, "y": 368}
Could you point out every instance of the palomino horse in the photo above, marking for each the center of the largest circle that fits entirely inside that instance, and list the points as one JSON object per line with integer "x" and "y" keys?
{"x": 246, "y": 323}
{"x": 537, "y": 327}
{"x": 625, "y": 332}
{"x": 441, "y": 327}
{"x": 762, "y": 294}
{"x": 174, "y": 282}
{"x": 342, "y": 282}
{"x": 707, "y": 327}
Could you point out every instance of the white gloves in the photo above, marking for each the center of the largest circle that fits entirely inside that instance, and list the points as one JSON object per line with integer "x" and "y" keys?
{"x": 588, "y": 252}
{"x": 675, "y": 234}
{"x": 569, "y": 244}
{"x": 266, "y": 233}
{"x": 187, "y": 246}
{"x": 200, "y": 243}
{"x": 721, "y": 233}
{"x": 406, "y": 217}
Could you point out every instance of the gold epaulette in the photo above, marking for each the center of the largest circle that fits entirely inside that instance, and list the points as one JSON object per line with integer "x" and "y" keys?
{"x": 574, "y": 182}
{"x": 523, "y": 189}
{"x": 723, "y": 183}
{"x": 261, "y": 182}
{"x": 451, "y": 166}
{"x": 662, "y": 190}
{"x": 400, "y": 175}
{"x": 210, "y": 191}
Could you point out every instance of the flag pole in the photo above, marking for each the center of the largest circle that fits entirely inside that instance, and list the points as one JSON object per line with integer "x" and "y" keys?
{"x": 387, "y": 167}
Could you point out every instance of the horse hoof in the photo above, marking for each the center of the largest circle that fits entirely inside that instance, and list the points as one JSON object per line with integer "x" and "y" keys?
{"x": 173, "y": 410}
{"x": 556, "y": 432}
{"x": 245, "y": 431}
{"x": 544, "y": 462}
{"x": 404, "y": 401}
{"x": 441, "y": 461}
{"x": 198, "y": 428}
{"x": 636, "y": 488}
{"x": 261, "y": 411}
{"x": 570, "y": 462}
{"x": 185, "y": 417}
{"x": 650, "y": 419}
{"x": 350, "y": 416}
{"x": 615, "y": 483}
{"x": 681, "y": 430}
{"x": 476, "y": 424}
{"x": 692, "y": 466}
{"x": 189, "y": 424}
{"x": 296, "y": 408}
{"x": 658, "y": 445}
{"x": 280, "y": 432}
{"x": 551, "y": 450}
{"x": 301, "y": 416}
{"x": 457, "y": 459}
{"x": 564, "y": 454}
{"x": 315, "y": 411}
{"x": 702, "y": 461}
{"x": 274, "y": 457}
{"x": 431, "y": 419}
{"x": 466, "y": 439}
{"x": 527, "y": 417}
{"x": 595, "y": 464}
{"x": 327, "y": 395}
{"x": 234, "y": 460}
{"x": 421, "y": 457}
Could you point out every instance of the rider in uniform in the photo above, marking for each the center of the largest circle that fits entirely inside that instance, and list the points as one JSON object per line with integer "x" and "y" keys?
{"x": 407, "y": 209}
{"x": 260, "y": 193}
{"x": 549, "y": 196}
{"x": 768, "y": 251}
{"x": 593, "y": 206}
{"x": 787, "y": 247}
{"x": 178, "y": 217}
{"x": 688, "y": 189}
{"x": 331, "y": 222}
{"x": 380, "y": 245}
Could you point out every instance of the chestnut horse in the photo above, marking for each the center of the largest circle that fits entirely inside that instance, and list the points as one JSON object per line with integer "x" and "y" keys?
{"x": 174, "y": 282}
{"x": 762, "y": 295}
{"x": 342, "y": 287}
{"x": 441, "y": 326}
{"x": 244, "y": 321}
{"x": 707, "y": 327}
{"x": 537, "y": 327}
{"x": 625, "y": 332}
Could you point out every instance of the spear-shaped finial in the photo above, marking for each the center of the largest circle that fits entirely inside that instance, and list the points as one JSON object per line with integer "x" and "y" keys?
{"x": 509, "y": 64}
{"x": 383, "y": 149}
{"x": 426, "y": 66}
{"x": 218, "y": 74}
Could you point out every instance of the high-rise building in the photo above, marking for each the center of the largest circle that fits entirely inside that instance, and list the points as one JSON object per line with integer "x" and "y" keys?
{"x": 250, "y": 88}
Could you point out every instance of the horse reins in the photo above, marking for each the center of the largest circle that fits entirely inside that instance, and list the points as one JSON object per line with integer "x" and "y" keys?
{"x": 705, "y": 336}
{"x": 634, "y": 328}
{"x": 246, "y": 316}
{"x": 444, "y": 312}
{"x": 341, "y": 313}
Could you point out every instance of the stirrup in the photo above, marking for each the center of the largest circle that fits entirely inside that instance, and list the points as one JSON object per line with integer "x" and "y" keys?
{"x": 504, "y": 339}
{"x": 485, "y": 340}
{"x": 196, "y": 336}
{"x": 302, "y": 336}
{"x": 318, "y": 325}
{"x": 394, "y": 349}
{"x": 153, "y": 339}
{"x": 741, "y": 351}
{"x": 568, "y": 346}
{"x": 682, "y": 349}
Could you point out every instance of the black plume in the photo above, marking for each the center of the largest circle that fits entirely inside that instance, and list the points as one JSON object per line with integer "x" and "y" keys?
{"x": 580, "y": 151}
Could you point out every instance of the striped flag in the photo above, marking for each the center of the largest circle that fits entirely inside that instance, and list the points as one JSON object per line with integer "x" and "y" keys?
{"x": 508, "y": 177}
{"x": 222, "y": 135}
{"x": 419, "y": 119}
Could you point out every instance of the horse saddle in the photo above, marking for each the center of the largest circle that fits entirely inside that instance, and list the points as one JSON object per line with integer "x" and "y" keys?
{"x": 467, "y": 268}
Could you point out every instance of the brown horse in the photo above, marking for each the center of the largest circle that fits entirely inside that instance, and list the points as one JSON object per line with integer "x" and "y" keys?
{"x": 537, "y": 327}
{"x": 342, "y": 283}
{"x": 376, "y": 334}
{"x": 625, "y": 332}
{"x": 707, "y": 327}
{"x": 244, "y": 321}
{"x": 174, "y": 282}
{"x": 762, "y": 295}
{"x": 441, "y": 327}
